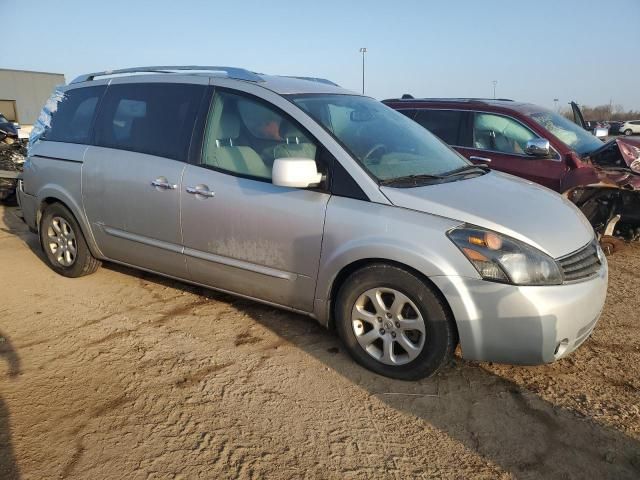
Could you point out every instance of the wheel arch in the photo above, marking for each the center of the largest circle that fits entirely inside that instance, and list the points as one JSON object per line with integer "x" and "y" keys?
{"x": 356, "y": 265}
{"x": 48, "y": 197}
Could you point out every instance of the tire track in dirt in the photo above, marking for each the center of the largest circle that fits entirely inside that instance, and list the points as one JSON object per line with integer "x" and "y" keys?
{"x": 95, "y": 413}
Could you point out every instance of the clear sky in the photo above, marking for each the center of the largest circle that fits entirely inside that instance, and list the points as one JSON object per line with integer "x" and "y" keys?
{"x": 585, "y": 50}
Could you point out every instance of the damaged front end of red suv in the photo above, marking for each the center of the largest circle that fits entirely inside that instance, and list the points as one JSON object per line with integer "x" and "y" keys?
{"x": 607, "y": 189}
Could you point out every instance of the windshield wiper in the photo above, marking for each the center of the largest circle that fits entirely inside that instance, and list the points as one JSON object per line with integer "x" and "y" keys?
{"x": 411, "y": 180}
{"x": 467, "y": 169}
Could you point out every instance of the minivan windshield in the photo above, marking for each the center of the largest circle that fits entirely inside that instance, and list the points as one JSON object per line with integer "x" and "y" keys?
{"x": 388, "y": 144}
{"x": 577, "y": 138}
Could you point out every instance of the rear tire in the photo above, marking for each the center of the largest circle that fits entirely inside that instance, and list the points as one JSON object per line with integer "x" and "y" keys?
{"x": 628, "y": 132}
{"x": 394, "y": 324}
{"x": 63, "y": 243}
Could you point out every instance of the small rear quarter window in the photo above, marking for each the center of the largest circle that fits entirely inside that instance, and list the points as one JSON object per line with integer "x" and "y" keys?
{"x": 72, "y": 120}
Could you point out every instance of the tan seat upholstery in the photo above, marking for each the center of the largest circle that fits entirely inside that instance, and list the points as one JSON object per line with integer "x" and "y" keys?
{"x": 221, "y": 151}
{"x": 296, "y": 145}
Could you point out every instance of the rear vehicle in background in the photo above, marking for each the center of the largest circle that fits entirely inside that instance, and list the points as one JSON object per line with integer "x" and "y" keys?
{"x": 306, "y": 196}
{"x": 12, "y": 157}
{"x": 597, "y": 128}
{"x": 602, "y": 179}
{"x": 614, "y": 127}
{"x": 630, "y": 127}
{"x": 8, "y": 129}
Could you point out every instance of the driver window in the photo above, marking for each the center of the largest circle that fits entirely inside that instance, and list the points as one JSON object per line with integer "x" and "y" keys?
{"x": 244, "y": 136}
{"x": 500, "y": 134}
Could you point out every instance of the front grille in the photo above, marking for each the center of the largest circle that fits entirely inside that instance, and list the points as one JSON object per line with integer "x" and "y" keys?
{"x": 582, "y": 264}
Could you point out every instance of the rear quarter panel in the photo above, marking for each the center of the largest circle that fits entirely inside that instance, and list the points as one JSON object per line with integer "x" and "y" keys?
{"x": 53, "y": 171}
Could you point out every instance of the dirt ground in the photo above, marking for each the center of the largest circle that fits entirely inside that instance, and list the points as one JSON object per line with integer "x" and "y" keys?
{"x": 123, "y": 374}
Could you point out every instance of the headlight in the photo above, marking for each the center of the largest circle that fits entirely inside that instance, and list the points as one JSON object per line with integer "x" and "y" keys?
{"x": 499, "y": 258}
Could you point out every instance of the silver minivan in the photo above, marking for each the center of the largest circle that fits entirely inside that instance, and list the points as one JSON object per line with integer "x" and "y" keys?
{"x": 303, "y": 195}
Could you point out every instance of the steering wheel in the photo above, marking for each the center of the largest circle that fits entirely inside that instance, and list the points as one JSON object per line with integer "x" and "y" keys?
{"x": 374, "y": 149}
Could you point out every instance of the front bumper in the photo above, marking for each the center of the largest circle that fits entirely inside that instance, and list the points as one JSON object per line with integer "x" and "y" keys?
{"x": 523, "y": 325}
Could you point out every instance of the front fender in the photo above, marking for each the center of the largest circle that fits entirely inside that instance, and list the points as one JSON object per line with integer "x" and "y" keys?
{"x": 356, "y": 230}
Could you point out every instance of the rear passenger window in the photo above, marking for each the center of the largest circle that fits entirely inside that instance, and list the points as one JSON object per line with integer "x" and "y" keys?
{"x": 445, "y": 124}
{"x": 71, "y": 122}
{"x": 152, "y": 118}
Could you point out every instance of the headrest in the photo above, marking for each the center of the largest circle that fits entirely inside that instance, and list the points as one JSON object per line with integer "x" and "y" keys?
{"x": 229, "y": 126}
{"x": 293, "y": 134}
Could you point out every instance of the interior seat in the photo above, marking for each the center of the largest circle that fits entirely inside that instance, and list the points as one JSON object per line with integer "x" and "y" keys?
{"x": 484, "y": 139}
{"x": 295, "y": 145}
{"x": 221, "y": 150}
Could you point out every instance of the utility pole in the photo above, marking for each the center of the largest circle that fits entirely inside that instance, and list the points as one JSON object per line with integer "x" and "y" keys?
{"x": 363, "y": 50}
{"x": 495, "y": 82}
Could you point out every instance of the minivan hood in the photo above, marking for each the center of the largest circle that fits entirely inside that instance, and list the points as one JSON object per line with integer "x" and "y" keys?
{"x": 505, "y": 204}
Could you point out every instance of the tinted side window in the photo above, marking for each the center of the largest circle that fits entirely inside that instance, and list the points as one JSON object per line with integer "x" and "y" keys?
{"x": 445, "y": 124}
{"x": 153, "y": 118}
{"x": 71, "y": 122}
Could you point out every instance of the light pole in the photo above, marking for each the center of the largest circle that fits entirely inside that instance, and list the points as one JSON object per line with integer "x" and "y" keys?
{"x": 557, "y": 104}
{"x": 363, "y": 50}
{"x": 495, "y": 82}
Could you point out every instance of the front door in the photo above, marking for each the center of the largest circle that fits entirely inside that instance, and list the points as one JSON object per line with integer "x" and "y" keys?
{"x": 132, "y": 179}
{"x": 241, "y": 233}
{"x": 499, "y": 142}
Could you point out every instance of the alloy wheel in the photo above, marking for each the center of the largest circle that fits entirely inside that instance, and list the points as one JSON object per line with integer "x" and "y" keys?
{"x": 61, "y": 241}
{"x": 388, "y": 326}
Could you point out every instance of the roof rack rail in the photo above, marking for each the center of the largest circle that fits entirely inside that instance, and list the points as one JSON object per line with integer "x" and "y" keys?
{"x": 470, "y": 99}
{"x": 313, "y": 79}
{"x": 231, "y": 72}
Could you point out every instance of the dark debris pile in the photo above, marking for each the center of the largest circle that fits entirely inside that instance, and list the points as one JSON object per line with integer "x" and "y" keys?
{"x": 12, "y": 156}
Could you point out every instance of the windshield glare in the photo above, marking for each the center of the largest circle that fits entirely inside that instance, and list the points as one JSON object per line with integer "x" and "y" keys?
{"x": 388, "y": 144}
{"x": 577, "y": 138}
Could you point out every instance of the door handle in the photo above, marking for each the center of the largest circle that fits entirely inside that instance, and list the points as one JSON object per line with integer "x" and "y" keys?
{"x": 202, "y": 190}
{"x": 162, "y": 182}
{"x": 480, "y": 159}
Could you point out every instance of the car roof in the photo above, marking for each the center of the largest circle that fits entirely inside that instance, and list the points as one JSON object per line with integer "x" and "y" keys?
{"x": 497, "y": 104}
{"x": 282, "y": 85}
{"x": 285, "y": 85}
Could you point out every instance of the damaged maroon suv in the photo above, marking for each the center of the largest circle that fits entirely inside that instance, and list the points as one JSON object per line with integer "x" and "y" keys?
{"x": 602, "y": 179}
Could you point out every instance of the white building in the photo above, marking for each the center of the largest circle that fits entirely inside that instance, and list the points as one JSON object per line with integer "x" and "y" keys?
{"x": 23, "y": 93}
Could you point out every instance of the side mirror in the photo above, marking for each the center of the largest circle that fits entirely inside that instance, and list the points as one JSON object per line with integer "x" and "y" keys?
{"x": 295, "y": 172}
{"x": 538, "y": 147}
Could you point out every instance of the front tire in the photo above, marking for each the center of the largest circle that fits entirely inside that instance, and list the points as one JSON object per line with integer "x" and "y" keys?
{"x": 64, "y": 244}
{"x": 628, "y": 132}
{"x": 393, "y": 323}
